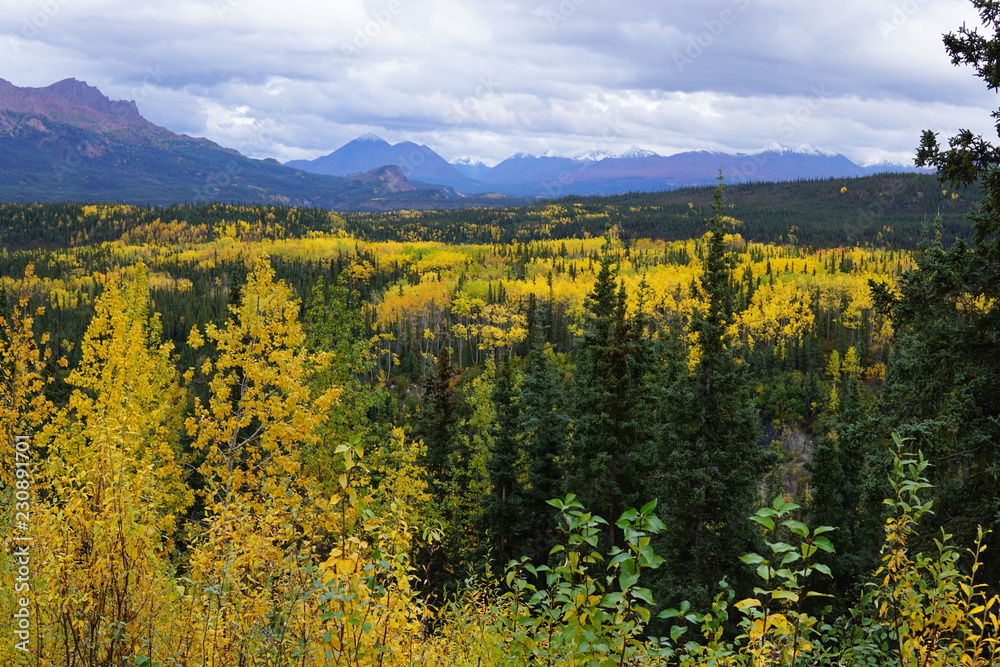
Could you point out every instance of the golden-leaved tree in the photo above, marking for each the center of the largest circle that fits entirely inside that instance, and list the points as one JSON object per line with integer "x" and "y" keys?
{"x": 248, "y": 565}
{"x": 113, "y": 489}
{"x": 23, "y": 409}
{"x": 280, "y": 569}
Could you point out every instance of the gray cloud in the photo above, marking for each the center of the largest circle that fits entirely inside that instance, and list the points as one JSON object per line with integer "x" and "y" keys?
{"x": 485, "y": 79}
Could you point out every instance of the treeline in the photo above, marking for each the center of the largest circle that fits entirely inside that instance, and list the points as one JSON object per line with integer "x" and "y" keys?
{"x": 880, "y": 211}
{"x": 29, "y": 226}
{"x": 884, "y": 210}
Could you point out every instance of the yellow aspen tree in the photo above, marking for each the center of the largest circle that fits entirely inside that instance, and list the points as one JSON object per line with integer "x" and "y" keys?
{"x": 777, "y": 315}
{"x": 258, "y": 593}
{"x": 23, "y": 410}
{"x": 261, "y": 511}
{"x": 113, "y": 489}
{"x": 23, "y": 406}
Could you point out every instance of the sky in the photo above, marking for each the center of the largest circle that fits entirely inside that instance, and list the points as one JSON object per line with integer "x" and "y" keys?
{"x": 297, "y": 79}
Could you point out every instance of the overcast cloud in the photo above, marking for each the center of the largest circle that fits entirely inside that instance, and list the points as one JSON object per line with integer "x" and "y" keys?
{"x": 486, "y": 78}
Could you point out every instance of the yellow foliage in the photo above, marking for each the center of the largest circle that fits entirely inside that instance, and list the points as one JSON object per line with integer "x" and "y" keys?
{"x": 777, "y": 315}
{"x": 114, "y": 484}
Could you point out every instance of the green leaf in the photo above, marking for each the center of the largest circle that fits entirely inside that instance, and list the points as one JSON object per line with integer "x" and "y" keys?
{"x": 782, "y": 507}
{"x": 790, "y": 557}
{"x": 825, "y": 544}
{"x": 825, "y": 569}
{"x": 655, "y": 561}
{"x": 643, "y": 594}
{"x": 780, "y": 547}
{"x": 627, "y": 581}
{"x": 785, "y": 595}
{"x": 649, "y": 507}
{"x": 765, "y": 521}
{"x": 753, "y": 559}
{"x": 620, "y": 558}
{"x": 628, "y": 516}
{"x": 654, "y": 525}
{"x": 612, "y": 600}
{"x": 797, "y": 527}
{"x": 647, "y": 554}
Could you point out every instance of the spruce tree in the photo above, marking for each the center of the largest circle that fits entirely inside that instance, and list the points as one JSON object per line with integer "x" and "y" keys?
{"x": 711, "y": 460}
{"x": 611, "y": 425}
{"x": 437, "y": 424}
{"x": 595, "y": 443}
{"x": 503, "y": 510}
{"x": 545, "y": 426}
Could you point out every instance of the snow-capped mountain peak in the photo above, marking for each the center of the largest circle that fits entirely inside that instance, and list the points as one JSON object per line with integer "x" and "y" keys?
{"x": 809, "y": 149}
{"x": 801, "y": 149}
{"x": 594, "y": 155}
{"x": 636, "y": 152}
{"x": 469, "y": 162}
{"x": 888, "y": 161}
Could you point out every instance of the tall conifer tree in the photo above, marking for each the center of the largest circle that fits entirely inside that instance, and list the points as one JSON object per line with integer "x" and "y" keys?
{"x": 438, "y": 421}
{"x": 503, "y": 510}
{"x": 545, "y": 427}
{"x": 610, "y": 423}
{"x": 711, "y": 460}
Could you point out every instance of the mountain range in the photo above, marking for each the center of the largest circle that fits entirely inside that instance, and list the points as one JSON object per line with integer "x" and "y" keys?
{"x": 593, "y": 173}
{"x": 69, "y": 142}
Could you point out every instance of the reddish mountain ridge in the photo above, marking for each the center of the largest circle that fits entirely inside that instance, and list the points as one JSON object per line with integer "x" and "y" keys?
{"x": 69, "y": 142}
{"x": 74, "y": 102}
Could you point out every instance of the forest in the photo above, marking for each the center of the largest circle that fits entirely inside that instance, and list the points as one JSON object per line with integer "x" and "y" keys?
{"x": 259, "y": 436}
{"x": 723, "y": 426}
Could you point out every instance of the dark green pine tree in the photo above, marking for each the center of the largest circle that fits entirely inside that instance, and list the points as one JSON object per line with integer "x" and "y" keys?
{"x": 545, "y": 426}
{"x": 711, "y": 463}
{"x": 438, "y": 423}
{"x": 611, "y": 424}
{"x": 503, "y": 512}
